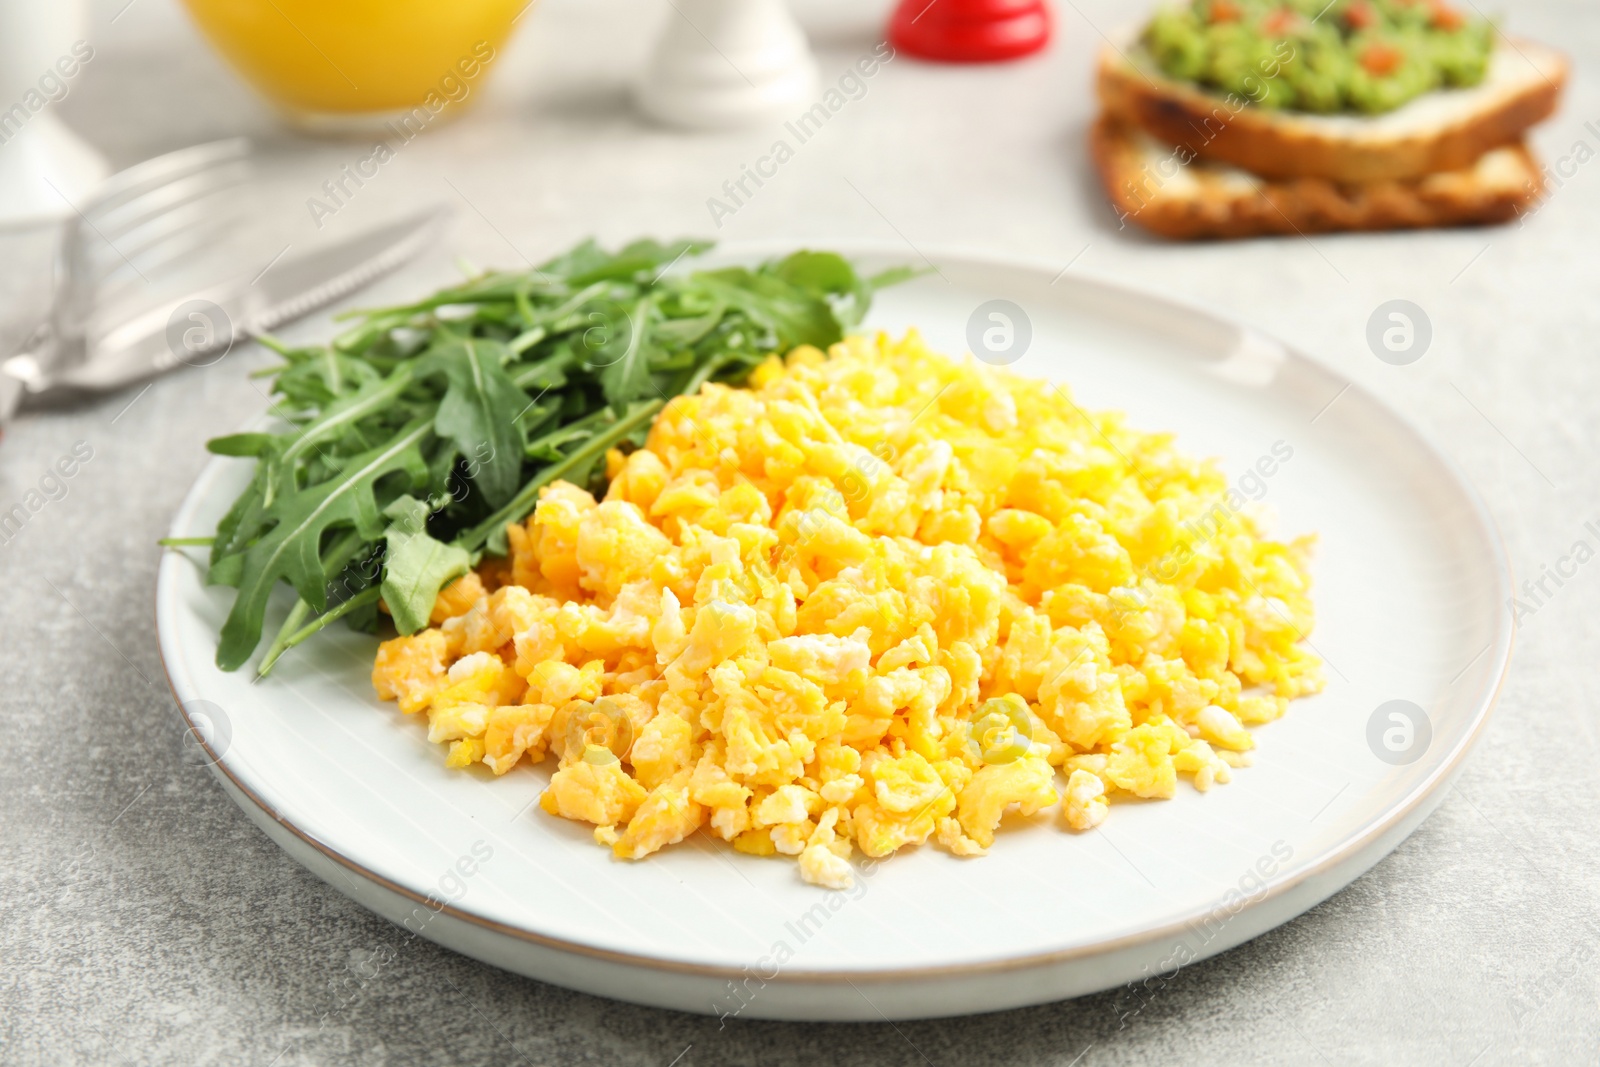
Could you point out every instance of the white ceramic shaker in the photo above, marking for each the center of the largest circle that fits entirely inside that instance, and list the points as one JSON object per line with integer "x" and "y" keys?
{"x": 723, "y": 63}
{"x": 45, "y": 168}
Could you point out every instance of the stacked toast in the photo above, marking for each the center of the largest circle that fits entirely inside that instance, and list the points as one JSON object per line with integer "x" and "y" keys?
{"x": 1185, "y": 159}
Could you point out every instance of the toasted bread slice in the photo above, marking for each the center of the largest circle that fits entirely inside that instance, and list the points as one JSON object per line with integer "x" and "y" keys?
{"x": 1165, "y": 190}
{"x": 1443, "y": 130}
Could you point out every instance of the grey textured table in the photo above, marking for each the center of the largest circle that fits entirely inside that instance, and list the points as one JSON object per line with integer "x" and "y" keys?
{"x": 146, "y": 921}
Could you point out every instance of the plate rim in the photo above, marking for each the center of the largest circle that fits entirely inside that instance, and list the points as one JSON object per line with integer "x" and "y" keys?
{"x": 1501, "y": 646}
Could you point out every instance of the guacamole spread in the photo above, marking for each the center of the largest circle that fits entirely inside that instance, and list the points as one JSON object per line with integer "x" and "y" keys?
{"x": 1362, "y": 56}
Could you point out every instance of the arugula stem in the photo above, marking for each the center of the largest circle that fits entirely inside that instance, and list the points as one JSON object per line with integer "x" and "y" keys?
{"x": 186, "y": 542}
{"x": 526, "y": 340}
{"x": 362, "y": 599}
{"x": 705, "y": 373}
{"x": 269, "y": 341}
{"x": 337, "y": 555}
{"x": 562, "y": 433}
{"x": 280, "y": 642}
{"x": 528, "y": 496}
{"x": 531, "y": 373}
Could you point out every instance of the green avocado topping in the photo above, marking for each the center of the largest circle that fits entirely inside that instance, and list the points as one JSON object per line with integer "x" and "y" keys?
{"x": 1363, "y": 56}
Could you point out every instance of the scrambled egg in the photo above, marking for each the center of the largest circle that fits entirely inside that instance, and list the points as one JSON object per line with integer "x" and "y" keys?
{"x": 879, "y": 596}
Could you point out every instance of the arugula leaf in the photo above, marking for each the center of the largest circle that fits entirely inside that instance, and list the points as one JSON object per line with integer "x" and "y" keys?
{"x": 637, "y": 258}
{"x": 341, "y": 418}
{"x": 240, "y": 444}
{"x": 788, "y": 314}
{"x": 466, "y": 403}
{"x": 246, "y": 514}
{"x": 827, "y": 274}
{"x": 416, "y": 566}
{"x": 622, "y": 356}
{"x": 479, "y": 412}
{"x": 686, "y": 331}
{"x": 895, "y": 276}
{"x": 291, "y": 550}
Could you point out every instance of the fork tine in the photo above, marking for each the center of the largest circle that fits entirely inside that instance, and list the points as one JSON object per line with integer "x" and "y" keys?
{"x": 158, "y": 249}
{"x": 181, "y": 254}
{"x": 128, "y": 200}
{"x": 129, "y": 215}
{"x": 217, "y": 206}
{"x": 152, "y": 173}
{"x": 129, "y": 185}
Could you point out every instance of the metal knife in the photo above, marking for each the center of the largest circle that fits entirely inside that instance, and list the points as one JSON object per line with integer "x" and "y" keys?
{"x": 202, "y": 326}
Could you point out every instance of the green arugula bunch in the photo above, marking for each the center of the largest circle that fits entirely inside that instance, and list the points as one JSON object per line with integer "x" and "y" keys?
{"x": 415, "y": 436}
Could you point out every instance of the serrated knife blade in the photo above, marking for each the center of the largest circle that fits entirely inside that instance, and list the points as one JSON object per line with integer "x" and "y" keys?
{"x": 299, "y": 286}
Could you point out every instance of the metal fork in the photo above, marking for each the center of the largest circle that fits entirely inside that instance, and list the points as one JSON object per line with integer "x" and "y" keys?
{"x": 140, "y": 220}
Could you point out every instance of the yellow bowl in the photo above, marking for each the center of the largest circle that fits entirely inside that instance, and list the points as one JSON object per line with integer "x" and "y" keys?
{"x": 351, "y": 58}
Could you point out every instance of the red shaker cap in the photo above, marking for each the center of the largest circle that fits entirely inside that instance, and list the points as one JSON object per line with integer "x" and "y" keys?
{"x": 970, "y": 31}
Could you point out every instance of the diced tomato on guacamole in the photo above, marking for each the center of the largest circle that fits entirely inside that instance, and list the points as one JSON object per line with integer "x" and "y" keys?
{"x": 1380, "y": 59}
{"x": 1360, "y": 16}
{"x": 1446, "y": 17}
{"x": 1347, "y": 56}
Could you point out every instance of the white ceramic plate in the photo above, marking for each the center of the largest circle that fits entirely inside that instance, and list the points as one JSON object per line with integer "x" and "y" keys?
{"x": 1410, "y": 583}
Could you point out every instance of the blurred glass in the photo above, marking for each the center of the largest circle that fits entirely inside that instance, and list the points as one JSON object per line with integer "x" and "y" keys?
{"x": 347, "y": 62}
